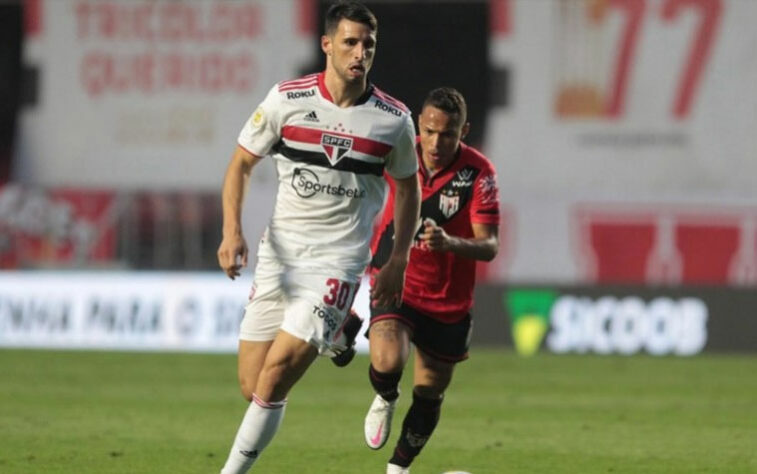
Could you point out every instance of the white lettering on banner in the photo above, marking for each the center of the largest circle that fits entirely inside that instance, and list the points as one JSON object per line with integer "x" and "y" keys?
{"x": 628, "y": 325}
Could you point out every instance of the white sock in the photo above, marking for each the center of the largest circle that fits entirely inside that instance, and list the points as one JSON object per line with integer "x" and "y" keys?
{"x": 259, "y": 425}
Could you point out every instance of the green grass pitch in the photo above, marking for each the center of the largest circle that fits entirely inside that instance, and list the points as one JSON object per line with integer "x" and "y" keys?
{"x": 98, "y": 412}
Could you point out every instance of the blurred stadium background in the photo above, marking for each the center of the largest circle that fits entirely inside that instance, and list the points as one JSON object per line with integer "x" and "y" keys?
{"x": 624, "y": 133}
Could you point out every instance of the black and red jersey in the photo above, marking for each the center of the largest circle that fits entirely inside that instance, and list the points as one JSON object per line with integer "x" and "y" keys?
{"x": 440, "y": 284}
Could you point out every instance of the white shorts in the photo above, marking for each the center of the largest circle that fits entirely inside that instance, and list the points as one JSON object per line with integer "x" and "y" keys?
{"x": 308, "y": 305}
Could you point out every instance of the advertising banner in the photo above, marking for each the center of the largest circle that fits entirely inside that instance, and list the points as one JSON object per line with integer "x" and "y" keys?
{"x": 144, "y": 311}
{"x": 133, "y": 311}
{"x": 622, "y": 320}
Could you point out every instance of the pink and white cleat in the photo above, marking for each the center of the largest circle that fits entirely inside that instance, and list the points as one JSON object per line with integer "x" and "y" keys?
{"x": 378, "y": 422}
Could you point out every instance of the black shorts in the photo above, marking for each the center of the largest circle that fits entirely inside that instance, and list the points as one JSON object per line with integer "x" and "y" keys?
{"x": 447, "y": 342}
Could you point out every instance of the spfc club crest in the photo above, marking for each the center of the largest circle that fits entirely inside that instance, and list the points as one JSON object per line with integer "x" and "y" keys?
{"x": 449, "y": 204}
{"x": 335, "y": 146}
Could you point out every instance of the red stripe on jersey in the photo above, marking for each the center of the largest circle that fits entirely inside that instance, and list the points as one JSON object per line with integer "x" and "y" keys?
{"x": 313, "y": 136}
{"x": 297, "y": 87}
{"x": 302, "y": 80}
{"x": 322, "y": 87}
{"x": 390, "y": 100}
{"x": 298, "y": 83}
{"x": 309, "y": 77}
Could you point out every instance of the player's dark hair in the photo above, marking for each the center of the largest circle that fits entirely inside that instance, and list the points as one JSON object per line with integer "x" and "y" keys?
{"x": 353, "y": 11}
{"x": 449, "y": 100}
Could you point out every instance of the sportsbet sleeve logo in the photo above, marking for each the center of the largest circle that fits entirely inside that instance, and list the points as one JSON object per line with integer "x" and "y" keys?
{"x": 606, "y": 324}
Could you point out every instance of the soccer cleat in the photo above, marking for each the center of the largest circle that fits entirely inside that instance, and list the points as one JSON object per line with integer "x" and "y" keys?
{"x": 378, "y": 422}
{"x": 395, "y": 469}
{"x": 351, "y": 328}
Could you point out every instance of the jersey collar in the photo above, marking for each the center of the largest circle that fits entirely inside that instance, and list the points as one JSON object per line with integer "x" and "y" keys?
{"x": 326, "y": 95}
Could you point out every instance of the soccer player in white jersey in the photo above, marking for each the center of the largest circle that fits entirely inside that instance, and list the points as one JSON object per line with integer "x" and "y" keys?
{"x": 332, "y": 136}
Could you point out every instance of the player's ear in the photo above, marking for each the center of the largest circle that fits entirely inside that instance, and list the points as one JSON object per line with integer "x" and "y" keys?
{"x": 326, "y": 44}
{"x": 465, "y": 130}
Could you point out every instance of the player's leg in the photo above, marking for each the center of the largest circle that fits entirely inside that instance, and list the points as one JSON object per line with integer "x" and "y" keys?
{"x": 439, "y": 346}
{"x": 431, "y": 378}
{"x": 286, "y": 361}
{"x": 311, "y": 325}
{"x": 262, "y": 319}
{"x": 263, "y": 316}
{"x": 389, "y": 339}
{"x": 250, "y": 363}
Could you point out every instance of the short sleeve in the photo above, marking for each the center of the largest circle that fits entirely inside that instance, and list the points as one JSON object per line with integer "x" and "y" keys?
{"x": 263, "y": 129}
{"x": 485, "y": 205}
{"x": 401, "y": 161}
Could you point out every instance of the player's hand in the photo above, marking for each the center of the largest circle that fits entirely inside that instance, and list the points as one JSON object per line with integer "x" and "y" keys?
{"x": 434, "y": 237}
{"x": 232, "y": 255}
{"x": 388, "y": 284}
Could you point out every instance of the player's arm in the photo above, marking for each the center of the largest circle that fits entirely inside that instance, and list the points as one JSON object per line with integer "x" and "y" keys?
{"x": 232, "y": 253}
{"x": 390, "y": 280}
{"x": 482, "y": 246}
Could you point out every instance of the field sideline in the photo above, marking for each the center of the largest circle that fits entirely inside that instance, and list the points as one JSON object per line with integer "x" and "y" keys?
{"x": 98, "y": 412}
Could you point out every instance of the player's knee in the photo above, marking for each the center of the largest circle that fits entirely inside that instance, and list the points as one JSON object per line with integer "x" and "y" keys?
{"x": 247, "y": 387}
{"x": 429, "y": 392}
{"x": 387, "y": 361}
{"x": 274, "y": 382}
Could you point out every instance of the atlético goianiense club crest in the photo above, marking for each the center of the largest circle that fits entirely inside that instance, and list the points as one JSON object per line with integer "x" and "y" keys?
{"x": 449, "y": 204}
{"x": 335, "y": 146}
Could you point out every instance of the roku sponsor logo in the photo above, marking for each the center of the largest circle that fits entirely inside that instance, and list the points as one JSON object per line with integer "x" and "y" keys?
{"x": 300, "y": 94}
{"x": 387, "y": 108}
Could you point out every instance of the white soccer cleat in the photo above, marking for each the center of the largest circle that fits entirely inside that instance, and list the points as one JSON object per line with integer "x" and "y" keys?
{"x": 378, "y": 422}
{"x": 395, "y": 469}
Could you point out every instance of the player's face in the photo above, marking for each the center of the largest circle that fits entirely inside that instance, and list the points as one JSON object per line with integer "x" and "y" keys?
{"x": 350, "y": 50}
{"x": 440, "y": 134}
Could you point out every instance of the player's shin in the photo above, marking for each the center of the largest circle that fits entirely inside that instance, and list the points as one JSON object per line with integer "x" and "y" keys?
{"x": 417, "y": 427}
{"x": 385, "y": 384}
{"x": 259, "y": 425}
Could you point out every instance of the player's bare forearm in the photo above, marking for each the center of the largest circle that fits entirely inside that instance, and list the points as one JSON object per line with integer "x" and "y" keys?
{"x": 390, "y": 280}
{"x": 482, "y": 246}
{"x": 232, "y": 253}
{"x": 234, "y": 185}
{"x": 476, "y": 249}
{"x": 407, "y": 205}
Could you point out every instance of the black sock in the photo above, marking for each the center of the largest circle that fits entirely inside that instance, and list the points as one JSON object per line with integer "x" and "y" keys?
{"x": 385, "y": 384}
{"x": 419, "y": 423}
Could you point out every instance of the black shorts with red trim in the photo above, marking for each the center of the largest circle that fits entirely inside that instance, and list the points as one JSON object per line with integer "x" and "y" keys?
{"x": 447, "y": 342}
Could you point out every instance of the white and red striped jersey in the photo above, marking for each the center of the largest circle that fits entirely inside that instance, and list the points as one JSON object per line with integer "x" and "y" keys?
{"x": 330, "y": 163}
